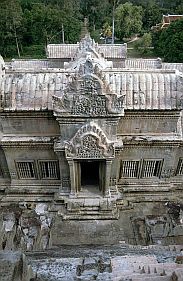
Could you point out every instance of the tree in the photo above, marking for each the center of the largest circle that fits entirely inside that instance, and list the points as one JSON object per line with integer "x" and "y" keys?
{"x": 26, "y": 26}
{"x": 45, "y": 23}
{"x": 179, "y": 9}
{"x": 143, "y": 44}
{"x": 128, "y": 20}
{"x": 152, "y": 15}
{"x": 96, "y": 11}
{"x": 168, "y": 43}
{"x": 10, "y": 26}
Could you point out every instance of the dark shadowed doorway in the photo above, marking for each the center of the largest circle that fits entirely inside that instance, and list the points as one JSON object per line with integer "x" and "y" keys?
{"x": 90, "y": 173}
{"x": 90, "y": 176}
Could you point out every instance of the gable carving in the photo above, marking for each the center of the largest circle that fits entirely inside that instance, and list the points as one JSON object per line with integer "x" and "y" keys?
{"x": 89, "y": 94}
{"x": 89, "y": 142}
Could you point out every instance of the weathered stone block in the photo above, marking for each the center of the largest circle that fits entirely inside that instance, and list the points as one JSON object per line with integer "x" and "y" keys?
{"x": 14, "y": 267}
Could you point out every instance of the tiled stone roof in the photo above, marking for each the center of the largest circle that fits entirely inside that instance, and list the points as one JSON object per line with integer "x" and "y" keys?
{"x": 27, "y": 64}
{"x": 68, "y": 50}
{"x": 141, "y": 84}
{"x": 143, "y": 63}
{"x": 61, "y": 50}
{"x": 178, "y": 66}
{"x": 148, "y": 89}
{"x": 166, "y": 21}
{"x": 128, "y": 63}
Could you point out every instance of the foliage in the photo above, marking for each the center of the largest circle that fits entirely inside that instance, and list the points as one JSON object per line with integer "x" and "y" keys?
{"x": 26, "y": 26}
{"x": 96, "y": 11}
{"x": 179, "y": 9}
{"x": 169, "y": 42}
{"x": 128, "y": 20}
{"x": 10, "y": 27}
{"x": 144, "y": 44}
{"x": 152, "y": 15}
{"x": 107, "y": 30}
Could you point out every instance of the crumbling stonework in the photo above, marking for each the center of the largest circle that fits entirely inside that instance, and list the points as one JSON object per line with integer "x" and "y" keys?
{"x": 39, "y": 227}
{"x": 120, "y": 262}
{"x": 25, "y": 227}
{"x": 14, "y": 267}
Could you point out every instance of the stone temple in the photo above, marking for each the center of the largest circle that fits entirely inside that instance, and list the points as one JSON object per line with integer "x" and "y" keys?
{"x": 91, "y": 149}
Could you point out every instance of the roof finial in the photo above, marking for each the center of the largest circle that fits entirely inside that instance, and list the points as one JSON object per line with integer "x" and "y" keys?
{"x": 84, "y": 28}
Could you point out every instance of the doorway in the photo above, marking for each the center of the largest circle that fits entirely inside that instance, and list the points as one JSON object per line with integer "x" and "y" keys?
{"x": 90, "y": 176}
{"x": 90, "y": 173}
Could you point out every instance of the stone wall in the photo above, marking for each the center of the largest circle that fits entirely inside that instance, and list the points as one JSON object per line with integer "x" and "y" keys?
{"x": 14, "y": 267}
{"x": 25, "y": 227}
{"x": 38, "y": 226}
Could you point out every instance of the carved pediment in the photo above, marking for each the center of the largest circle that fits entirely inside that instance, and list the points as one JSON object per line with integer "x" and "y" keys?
{"x": 89, "y": 142}
{"x": 89, "y": 94}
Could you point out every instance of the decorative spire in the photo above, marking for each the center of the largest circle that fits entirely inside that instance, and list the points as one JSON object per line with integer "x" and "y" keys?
{"x": 84, "y": 28}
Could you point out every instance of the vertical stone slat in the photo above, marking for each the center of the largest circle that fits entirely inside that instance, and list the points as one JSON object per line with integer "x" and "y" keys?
{"x": 26, "y": 92}
{"x": 7, "y": 92}
{"x": 52, "y": 83}
{"x": 155, "y": 96}
{"x": 19, "y": 92}
{"x": 142, "y": 90}
{"x": 33, "y": 90}
{"x": 123, "y": 87}
{"x": 129, "y": 90}
{"x": 149, "y": 90}
{"x": 173, "y": 88}
{"x": 39, "y": 92}
{"x": 161, "y": 92}
{"x": 29, "y": 93}
{"x": 167, "y": 91}
{"x": 45, "y": 92}
{"x": 13, "y": 93}
{"x": 136, "y": 92}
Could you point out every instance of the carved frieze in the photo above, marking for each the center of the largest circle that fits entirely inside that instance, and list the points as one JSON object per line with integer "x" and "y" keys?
{"x": 91, "y": 105}
{"x": 90, "y": 96}
{"x": 89, "y": 143}
{"x": 168, "y": 173}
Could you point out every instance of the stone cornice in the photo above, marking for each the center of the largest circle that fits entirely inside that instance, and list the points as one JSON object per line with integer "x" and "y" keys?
{"x": 138, "y": 144}
{"x": 27, "y": 114}
{"x": 27, "y": 142}
{"x": 151, "y": 114}
{"x": 118, "y": 151}
{"x": 36, "y": 71}
{"x": 137, "y": 70}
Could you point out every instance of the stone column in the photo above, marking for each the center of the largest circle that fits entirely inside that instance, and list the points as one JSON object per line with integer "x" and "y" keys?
{"x": 72, "y": 178}
{"x": 107, "y": 177}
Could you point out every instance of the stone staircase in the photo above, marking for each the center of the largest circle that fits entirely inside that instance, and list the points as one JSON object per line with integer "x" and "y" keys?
{"x": 129, "y": 268}
{"x": 144, "y": 268}
{"x": 90, "y": 208}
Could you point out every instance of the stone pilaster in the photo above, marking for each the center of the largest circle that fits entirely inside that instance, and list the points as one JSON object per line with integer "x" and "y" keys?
{"x": 107, "y": 177}
{"x": 72, "y": 178}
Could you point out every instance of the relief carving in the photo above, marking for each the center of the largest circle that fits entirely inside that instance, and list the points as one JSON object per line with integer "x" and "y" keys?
{"x": 89, "y": 96}
{"x": 88, "y": 93}
{"x": 168, "y": 173}
{"x": 89, "y": 105}
{"x": 89, "y": 142}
